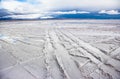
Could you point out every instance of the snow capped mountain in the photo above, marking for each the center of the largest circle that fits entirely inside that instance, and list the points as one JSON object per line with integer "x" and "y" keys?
{"x": 4, "y": 12}
{"x": 61, "y": 14}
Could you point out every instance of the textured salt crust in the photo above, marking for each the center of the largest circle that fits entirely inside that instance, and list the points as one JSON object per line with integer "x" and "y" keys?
{"x": 60, "y": 49}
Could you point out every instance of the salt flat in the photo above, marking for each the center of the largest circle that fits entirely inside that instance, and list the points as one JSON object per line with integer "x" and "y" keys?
{"x": 60, "y": 49}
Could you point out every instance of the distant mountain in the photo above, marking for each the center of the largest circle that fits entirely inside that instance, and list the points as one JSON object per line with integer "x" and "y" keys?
{"x": 87, "y": 16}
{"x": 6, "y": 15}
{"x": 4, "y": 12}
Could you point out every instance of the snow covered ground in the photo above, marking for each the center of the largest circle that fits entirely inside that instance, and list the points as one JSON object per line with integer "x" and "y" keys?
{"x": 60, "y": 49}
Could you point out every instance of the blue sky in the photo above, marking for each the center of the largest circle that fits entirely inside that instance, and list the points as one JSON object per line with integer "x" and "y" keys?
{"x": 44, "y": 8}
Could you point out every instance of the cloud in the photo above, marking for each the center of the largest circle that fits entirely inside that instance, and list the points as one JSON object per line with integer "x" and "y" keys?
{"x": 19, "y": 7}
{"x": 28, "y": 16}
{"x": 47, "y": 5}
{"x": 31, "y": 8}
{"x": 45, "y": 15}
{"x": 83, "y": 4}
{"x": 110, "y": 12}
{"x": 71, "y": 12}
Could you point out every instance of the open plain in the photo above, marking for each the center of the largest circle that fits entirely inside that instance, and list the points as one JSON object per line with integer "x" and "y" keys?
{"x": 60, "y": 49}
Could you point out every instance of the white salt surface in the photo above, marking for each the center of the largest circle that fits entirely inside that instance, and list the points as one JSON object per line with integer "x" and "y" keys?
{"x": 60, "y": 49}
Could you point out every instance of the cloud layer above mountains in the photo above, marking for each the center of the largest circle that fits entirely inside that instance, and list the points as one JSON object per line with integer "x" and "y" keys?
{"x": 45, "y": 7}
{"x": 24, "y": 6}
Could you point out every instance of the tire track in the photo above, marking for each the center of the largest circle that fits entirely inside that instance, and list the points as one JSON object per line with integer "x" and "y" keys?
{"x": 116, "y": 54}
{"x": 90, "y": 54}
{"x": 53, "y": 70}
{"x": 67, "y": 64}
{"x": 96, "y": 52}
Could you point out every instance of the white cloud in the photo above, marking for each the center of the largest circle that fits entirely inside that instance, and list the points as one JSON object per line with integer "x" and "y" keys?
{"x": 110, "y": 12}
{"x": 44, "y": 15}
{"x": 71, "y": 12}
{"x": 82, "y": 4}
{"x": 21, "y": 7}
{"x": 28, "y": 16}
{"x": 46, "y": 5}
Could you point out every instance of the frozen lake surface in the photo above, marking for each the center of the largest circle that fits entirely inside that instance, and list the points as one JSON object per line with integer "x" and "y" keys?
{"x": 60, "y": 49}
